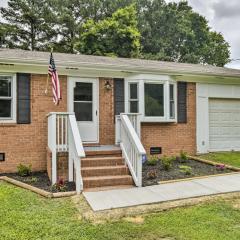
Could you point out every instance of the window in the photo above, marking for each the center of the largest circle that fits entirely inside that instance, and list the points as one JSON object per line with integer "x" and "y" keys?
{"x": 154, "y": 100}
{"x": 133, "y": 98}
{"x": 153, "y": 96}
{"x": 83, "y": 101}
{"x": 171, "y": 101}
{"x": 7, "y": 98}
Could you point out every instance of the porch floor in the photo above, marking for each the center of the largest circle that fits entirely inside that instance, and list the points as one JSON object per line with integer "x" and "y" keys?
{"x": 119, "y": 198}
{"x": 101, "y": 148}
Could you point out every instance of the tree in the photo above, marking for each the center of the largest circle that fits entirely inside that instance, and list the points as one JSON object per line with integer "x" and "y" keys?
{"x": 71, "y": 15}
{"x": 114, "y": 36}
{"x": 174, "y": 32}
{"x": 29, "y": 24}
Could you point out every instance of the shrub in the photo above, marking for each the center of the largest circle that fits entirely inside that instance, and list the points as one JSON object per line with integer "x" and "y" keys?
{"x": 166, "y": 162}
{"x": 152, "y": 161}
{"x": 152, "y": 174}
{"x": 183, "y": 157}
{"x": 24, "y": 170}
{"x": 185, "y": 169}
{"x": 60, "y": 186}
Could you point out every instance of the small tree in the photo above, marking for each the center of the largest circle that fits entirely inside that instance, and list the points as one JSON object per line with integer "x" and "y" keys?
{"x": 114, "y": 36}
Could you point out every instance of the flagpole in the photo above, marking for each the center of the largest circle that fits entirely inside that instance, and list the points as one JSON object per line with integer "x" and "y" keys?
{"x": 46, "y": 89}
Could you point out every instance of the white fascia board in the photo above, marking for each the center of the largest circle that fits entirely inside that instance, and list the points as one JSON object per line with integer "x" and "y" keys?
{"x": 74, "y": 68}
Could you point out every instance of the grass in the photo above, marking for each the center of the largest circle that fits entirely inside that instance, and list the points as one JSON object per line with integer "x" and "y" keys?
{"x": 24, "y": 216}
{"x": 229, "y": 158}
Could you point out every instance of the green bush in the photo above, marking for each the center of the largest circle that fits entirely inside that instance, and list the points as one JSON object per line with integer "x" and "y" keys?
{"x": 185, "y": 169}
{"x": 152, "y": 161}
{"x": 166, "y": 162}
{"x": 183, "y": 157}
{"x": 24, "y": 170}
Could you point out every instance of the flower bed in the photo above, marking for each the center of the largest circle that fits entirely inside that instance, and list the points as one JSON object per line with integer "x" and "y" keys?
{"x": 42, "y": 181}
{"x": 164, "y": 169}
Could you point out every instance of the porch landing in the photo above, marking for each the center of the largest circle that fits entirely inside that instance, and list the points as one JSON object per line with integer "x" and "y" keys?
{"x": 104, "y": 200}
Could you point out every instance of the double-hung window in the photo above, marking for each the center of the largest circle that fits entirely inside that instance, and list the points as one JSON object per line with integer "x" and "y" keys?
{"x": 172, "y": 101}
{"x": 7, "y": 98}
{"x": 133, "y": 98}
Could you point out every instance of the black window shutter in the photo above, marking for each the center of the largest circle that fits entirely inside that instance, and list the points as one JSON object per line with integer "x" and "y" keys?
{"x": 23, "y": 98}
{"x": 182, "y": 102}
{"x": 118, "y": 96}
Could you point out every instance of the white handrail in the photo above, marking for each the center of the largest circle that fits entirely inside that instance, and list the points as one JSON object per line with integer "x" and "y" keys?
{"x": 132, "y": 148}
{"x": 64, "y": 136}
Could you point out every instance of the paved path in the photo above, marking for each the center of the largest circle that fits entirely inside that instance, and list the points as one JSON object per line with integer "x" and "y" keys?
{"x": 109, "y": 199}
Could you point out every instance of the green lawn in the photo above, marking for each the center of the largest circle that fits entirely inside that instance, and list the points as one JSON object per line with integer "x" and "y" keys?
{"x": 229, "y": 158}
{"x": 25, "y": 215}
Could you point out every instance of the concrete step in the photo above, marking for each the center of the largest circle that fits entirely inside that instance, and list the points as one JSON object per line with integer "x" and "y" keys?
{"x": 101, "y": 161}
{"x": 105, "y": 170}
{"x": 104, "y": 181}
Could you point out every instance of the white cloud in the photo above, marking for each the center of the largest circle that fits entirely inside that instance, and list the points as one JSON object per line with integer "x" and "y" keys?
{"x": 223, "y": 16}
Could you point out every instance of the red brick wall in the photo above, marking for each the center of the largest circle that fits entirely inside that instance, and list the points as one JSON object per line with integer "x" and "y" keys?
{"x": 106, "y": 111}
{"x": 26, "y": 143}
{"x": 173, "y": 137}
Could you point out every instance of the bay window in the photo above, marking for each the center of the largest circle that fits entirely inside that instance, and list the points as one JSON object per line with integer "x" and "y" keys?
{"x": 7, "y": 98}
{"x": 153, "y": 96}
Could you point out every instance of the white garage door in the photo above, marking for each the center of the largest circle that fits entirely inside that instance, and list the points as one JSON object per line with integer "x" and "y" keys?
{"x": 224, "y": 124}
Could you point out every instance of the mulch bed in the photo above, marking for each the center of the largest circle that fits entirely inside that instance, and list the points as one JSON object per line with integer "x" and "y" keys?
{"x": 40, "y": 180}
{"x": 198, "y": 169}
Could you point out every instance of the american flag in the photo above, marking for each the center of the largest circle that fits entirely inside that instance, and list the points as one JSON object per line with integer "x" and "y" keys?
{"x": 52, "y": 71}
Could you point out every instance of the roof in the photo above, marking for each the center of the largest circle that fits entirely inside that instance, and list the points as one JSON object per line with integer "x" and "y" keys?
{"x": 124, "y": 64}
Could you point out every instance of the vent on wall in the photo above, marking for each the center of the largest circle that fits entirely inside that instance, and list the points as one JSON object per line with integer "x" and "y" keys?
{"x": 155, "y": 150}
{"x": 2, "y": 157}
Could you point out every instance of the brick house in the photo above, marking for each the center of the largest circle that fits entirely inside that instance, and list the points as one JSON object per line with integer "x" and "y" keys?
{"x": 112, "y": 110}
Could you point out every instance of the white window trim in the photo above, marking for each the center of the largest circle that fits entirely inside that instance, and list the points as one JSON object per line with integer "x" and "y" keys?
{"x": 132, "y": 100}
{"x": 155, "y": 79}
{"x": 13, "y": 117}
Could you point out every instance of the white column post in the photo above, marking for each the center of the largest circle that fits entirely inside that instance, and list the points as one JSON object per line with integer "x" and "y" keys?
{"x": 70, "y": 154}
{"x": 54, "y": 149}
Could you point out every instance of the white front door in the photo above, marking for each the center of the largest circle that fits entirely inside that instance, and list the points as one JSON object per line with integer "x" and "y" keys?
{"x": 84, "y": 96}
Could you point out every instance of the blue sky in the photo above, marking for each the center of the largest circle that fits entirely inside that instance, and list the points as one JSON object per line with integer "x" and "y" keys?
{"x": 223, "y": 16}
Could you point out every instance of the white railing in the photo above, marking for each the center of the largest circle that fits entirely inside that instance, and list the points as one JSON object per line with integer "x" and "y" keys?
{"x": 132, "y": 148}
{"x": 63, "y": 136}
{"x": 134, "y": 119}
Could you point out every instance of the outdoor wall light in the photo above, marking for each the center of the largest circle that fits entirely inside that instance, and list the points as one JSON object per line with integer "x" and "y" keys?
{"x": 107, "y": 85}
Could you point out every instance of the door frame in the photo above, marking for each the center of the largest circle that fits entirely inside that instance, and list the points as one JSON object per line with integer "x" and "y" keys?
{"x": 70, "y": 85}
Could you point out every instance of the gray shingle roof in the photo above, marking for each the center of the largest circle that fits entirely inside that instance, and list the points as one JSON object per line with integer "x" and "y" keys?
{"x": 124, "y": 64}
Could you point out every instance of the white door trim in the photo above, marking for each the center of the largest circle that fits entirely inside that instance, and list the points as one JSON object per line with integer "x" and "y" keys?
{"x": 203, "y": 93}
{"x": 70, "y": 86}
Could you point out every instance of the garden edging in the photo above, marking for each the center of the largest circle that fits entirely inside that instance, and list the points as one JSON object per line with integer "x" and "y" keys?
{"x": 37, "y": 190}
{"x": 214, "y": 163}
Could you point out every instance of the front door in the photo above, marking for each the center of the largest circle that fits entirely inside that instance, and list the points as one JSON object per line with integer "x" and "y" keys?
{"x": 84, "y": 102}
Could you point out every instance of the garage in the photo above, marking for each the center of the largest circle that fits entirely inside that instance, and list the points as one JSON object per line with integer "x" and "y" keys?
{"x": 224, "y": 124}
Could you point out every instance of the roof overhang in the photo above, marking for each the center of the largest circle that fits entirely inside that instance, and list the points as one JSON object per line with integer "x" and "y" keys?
{"x": 100, "y": 70}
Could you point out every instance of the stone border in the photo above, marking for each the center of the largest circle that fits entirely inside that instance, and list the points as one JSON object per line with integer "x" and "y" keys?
{"x": 37, "y": 190}
{"x": 235, "y": 169}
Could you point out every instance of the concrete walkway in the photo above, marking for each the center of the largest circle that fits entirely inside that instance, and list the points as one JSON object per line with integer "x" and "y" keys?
{"x": 119, "y": 198}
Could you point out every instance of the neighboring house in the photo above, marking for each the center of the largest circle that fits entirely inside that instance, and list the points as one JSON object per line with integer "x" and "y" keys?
{"x": 187, "y": 107}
